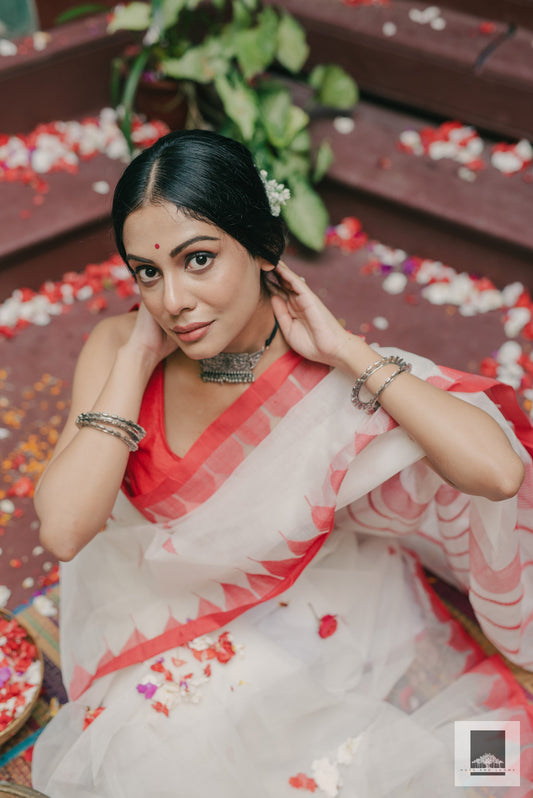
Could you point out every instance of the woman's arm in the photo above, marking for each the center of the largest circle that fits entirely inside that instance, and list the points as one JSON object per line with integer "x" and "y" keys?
{"x": 463, "y": 444}
{"x": 77, "y": 490}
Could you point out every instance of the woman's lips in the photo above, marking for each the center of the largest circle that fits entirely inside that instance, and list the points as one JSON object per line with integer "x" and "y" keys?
{"x": 192, "y": 332}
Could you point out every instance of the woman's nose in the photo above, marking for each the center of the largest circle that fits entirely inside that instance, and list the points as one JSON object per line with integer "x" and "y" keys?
{"x": 177, "y": 297}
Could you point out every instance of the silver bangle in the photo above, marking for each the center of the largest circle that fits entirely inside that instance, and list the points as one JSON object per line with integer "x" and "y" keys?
{"x": 135, "y": 431}
{"x": 105, "y": 422}
{"x": 130, "y": 443}
{"x": 375, "y": 398}
{"x": 369, "y": 407}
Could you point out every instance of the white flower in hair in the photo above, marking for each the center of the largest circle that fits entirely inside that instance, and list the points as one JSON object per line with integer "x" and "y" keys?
{"x": 277, "y": 193}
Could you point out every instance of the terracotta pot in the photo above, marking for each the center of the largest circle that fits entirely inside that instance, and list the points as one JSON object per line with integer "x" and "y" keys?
{"x": 162, "y": 99}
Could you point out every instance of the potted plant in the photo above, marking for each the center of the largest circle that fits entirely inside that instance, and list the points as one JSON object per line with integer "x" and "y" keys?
{"x": 239, "y": 63}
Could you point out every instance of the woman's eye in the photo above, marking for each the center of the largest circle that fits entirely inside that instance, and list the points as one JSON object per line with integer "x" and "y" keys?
{"x": 146, "y": 274}
{"x": 199, "y": 261}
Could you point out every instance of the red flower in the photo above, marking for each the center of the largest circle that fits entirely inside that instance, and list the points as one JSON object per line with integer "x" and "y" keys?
{"x": 303, "y": 782}
{"x": 158, "y": 667}
{"x": 159, "y": 707}
{"x": 327, "y": 625}
{"x": 97, "y": 304}
{"x": 489, "y": 367}
{"x": 22, "y": 487}
{"x": 91, "y": 716}
{"x": 527, "y": 331}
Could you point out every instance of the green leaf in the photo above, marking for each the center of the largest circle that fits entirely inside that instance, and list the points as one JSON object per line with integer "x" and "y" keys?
{"x": 117, "y": 71}
{"x": 133, "y": 78}
{"x": 256, "y": 48}
{"x": 242, "y": 17}
{"x": 251, "y": 5}
{"x": 128, "y": 94}
{"x": 292, "y": 49}
{"x": 80, "y": 11}
{"x": 171, "y": 10}
{"x": 306, "y": 215}
{"x": 292, "y": 165}
{"x": 134, "y": 16}
{"x": 298, "y": 120}
{"x": 301, "y": 142}
{"x": 316, "y": 77}
{"x": 200, "y": 64}
{"x": 324, "y": 159}
{"x": 334, "y": 87}
{"x": 239, "y": 103}
{"x": 275, "y": 107}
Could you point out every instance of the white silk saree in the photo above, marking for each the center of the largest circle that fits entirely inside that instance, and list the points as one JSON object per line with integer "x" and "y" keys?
{"x": 260, "y": 624}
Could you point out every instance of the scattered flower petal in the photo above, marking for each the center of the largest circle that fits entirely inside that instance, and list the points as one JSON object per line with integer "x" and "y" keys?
{"x": 5, "y": 593}
{"x": 7, "y": 47}
{"x": 343, "y": 124}
{"x": 45, "y": 606}
{"x": 327, "y": 626}
{"x": 101, "y": 187}
{"x": 303, "y": 782}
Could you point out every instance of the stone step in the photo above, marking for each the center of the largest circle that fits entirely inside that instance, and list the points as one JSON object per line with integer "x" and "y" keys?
{"x": 461, "y": 68}
{"x": 412, "y": 202}
{"x": 69, "y": 229}
{"x": 49, "y": 10}
{"x": 514, "y": 12}
{"x": 423, "y": 205}
{"x": 70, "y": 77}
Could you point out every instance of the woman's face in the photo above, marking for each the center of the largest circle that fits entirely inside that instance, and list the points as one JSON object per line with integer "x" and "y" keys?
{"x": 200, "y": 285}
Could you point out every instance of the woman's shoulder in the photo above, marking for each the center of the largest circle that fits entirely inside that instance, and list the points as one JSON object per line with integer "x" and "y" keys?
{"x": 112, "y": 332}
{"x": 103, "y": 343}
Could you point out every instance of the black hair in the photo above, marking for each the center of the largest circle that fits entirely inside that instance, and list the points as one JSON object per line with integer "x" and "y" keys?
{"x": 207, "y": 177}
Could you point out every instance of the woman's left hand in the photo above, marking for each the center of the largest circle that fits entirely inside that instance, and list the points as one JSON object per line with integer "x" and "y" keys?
{"x": 307, "y": 325}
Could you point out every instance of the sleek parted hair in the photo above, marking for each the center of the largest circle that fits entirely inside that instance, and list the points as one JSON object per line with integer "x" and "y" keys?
{"x": 207, "y": 177}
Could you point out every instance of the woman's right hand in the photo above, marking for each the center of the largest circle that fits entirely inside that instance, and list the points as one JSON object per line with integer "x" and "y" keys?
{"x": 149, "y": 338}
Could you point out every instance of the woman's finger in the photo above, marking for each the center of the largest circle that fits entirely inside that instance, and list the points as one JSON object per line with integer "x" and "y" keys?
{"x": 281, "y": 311}
{"x": 289, "y": 277}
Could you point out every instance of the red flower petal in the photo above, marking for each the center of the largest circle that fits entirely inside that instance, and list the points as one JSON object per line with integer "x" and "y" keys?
{"x": 327, "y": 625}
{"x": 303, "y": 782}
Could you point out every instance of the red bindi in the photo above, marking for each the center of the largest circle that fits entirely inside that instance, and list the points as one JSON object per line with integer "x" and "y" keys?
{"x": 157, "y": 246}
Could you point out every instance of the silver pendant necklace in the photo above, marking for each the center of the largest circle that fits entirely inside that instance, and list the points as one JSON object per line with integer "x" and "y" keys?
{"x": 234, "y": 366}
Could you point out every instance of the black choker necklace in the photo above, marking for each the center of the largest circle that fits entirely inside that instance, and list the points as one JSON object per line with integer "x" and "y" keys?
{"x": 234, "y": 366}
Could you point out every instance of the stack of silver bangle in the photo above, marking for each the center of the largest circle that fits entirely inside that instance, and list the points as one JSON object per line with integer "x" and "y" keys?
{"x": 372, "y": 405}
{"x": 128, "y": 431}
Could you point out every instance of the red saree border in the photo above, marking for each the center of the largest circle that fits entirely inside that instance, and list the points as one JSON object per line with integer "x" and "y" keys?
{"x": 258, "y": 392}
{"x": 181, "y": 634}
{"x": 504, "y": 396}
{"x": 480, "y": 657}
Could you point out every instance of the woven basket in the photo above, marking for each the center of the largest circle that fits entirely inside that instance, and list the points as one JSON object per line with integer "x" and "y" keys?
{"x": 21, "y": 720}
{"x": 8, "y": 790}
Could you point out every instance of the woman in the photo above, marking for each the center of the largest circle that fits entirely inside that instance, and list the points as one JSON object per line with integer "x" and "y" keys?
{"x": 238, "y": 617}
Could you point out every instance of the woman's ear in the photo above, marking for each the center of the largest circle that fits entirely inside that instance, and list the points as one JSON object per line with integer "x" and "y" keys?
{"x": 265, "y": 265}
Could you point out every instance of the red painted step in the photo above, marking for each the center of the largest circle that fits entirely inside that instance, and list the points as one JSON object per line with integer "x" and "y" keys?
{"x": 423, "y": 205}
{"x": 463, "y": 69}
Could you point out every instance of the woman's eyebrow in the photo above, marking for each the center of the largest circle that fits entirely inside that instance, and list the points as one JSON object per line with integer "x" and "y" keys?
{"x": 190, "y": 241}
{"x": 177, "y": 249}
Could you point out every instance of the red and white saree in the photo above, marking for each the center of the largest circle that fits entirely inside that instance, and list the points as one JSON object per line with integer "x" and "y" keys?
{"x": 254, "y": 619}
